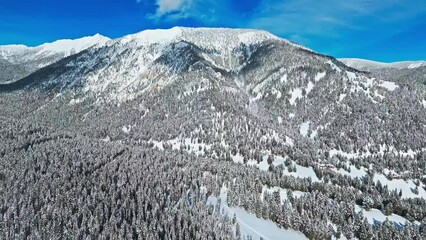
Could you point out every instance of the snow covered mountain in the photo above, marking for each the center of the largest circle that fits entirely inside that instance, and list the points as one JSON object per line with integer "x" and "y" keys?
{"x": 368, "y": 65}
{"x": 271, "y": 78}
{"x": 17, "y": 61}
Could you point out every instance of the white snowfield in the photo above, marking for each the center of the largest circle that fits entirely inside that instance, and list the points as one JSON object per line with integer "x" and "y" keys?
{"x": 268, "y": 230}
{"x": 390, "y": 86}
{"x": 374, "y": 215}
{"x": 301, "y": 171}
{"x": 406, "y": 187}
{"x": 252, "y": 225}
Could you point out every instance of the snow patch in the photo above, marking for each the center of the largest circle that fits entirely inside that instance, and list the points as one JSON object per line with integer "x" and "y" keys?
{"x": 258, "y": 96}
{"x": 238, "y": 158}
{"x": 289, "y": 141}
{"x": 351, "y": 75}
{"x": 304, "y": 127}
{"x": 334, "y": 66}
{"x": 342, "y": 96}
{"x": 406, "y": 187}
{"x": 415, "y": 65}
{"x": 251, "y": 225}
{"x": 374, "y": 215}
{"x": 391, "y": 86}
{"x": 75, "y": 101}
{"x": 354, "y": 172}
{"x": 295, "y": 94}
{"x": 309, "y": 88}
{"x": 276, "y": 92}
{"x": 126, "y": 129}
{"x": 283, "y": 79}
{"x": 190, "y": 145}
{"x": 283, "y": 192}
{"x": 320, "y": 76}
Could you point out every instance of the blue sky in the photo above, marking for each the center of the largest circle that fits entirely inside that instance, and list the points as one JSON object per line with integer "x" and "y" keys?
{"x": 382, "y": 30}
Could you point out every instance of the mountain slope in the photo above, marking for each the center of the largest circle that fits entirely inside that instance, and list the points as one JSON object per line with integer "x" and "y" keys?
{"x": 409, "y": 71}
{"x": 269, "y": 78}
{"x": 18, "y": 61}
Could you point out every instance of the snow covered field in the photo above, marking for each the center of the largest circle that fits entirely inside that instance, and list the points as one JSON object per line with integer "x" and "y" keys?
{"x": 374, "y": 215}
{"x": 283, "y": 192}
{"x": 407, "y": 187}
{"x": 261, "y": 228}
{"x": 251, "y": 225}
{"x": 301, "y": 171}
{"x": 354, "y": 173}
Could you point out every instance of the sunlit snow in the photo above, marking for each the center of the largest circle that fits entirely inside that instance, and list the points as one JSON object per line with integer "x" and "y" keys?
{"x": 391, "y": 86}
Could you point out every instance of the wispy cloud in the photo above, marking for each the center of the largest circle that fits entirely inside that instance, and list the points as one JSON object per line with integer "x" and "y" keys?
{"x": 171, "y": 9}
{"x": 208, "y": 12}
{"x": 325, "y": 25}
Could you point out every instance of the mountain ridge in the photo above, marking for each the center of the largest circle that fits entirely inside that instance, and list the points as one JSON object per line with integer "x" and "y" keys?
{"x": 364, "y": 64}
{"x": 19, "y": 61}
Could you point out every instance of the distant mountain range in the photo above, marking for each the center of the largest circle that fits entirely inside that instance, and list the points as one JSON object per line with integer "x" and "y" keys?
{"x": 368, "y": 65}
{"x": 17, "y": 61}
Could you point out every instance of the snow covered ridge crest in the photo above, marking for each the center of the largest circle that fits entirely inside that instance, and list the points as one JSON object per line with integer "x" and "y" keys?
{"x": 368, "y": 65}
{"x": 65, "y": 46}
{"x": 207, "y": 38}
{"x": 19, "y": 61}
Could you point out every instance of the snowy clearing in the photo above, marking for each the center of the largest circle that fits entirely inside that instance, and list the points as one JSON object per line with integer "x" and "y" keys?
{"x": 268, "y": 230}
{"x": 283, "y": 192}
{"x": 354, "y": 173}
{"x": 194, "y": 146}
{"x": 252, "y": 225}
{"x": 375, "y": 215}
{"x": 319, "y": 76}
{"x": 295, "y": 94}
{"x": 304, "y": 127}
{"x": 391, "y": 86}
{"x": 407, "y": 187}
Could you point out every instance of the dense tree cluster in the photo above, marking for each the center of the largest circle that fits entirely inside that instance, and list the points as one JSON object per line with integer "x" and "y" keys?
{"x": 57, "y": 184}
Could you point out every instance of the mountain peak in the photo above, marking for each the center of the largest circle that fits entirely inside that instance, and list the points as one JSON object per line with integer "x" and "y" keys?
{"x": 40, "y": 56}
{"x": 68, "y": 46}
{"x": 63, "y": 46}
{"x": 208, "y": 38}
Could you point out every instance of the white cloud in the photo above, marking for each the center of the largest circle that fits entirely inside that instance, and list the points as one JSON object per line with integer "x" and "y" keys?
{"x": 171, "y": 8}
{"x": 167, "y": 6}
{"x": 206, "y": 11}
